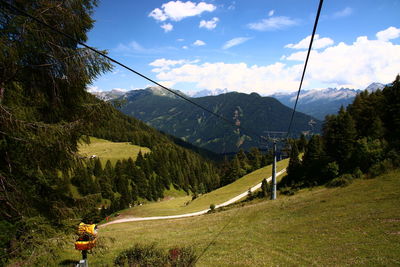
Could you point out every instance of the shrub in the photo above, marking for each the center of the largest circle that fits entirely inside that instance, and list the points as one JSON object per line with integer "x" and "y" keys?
{"x": 150, "y": 255}
{"x": 212, "y": 207}
{"x": 380, "y": 168}
{"x": 331, "y": 170}
{"x": 289, "y": 191}
{"x": 182, "y": 257}
{"x": 250, "y": 195}
{"x": 357, "y": 173}
{"x": 341, "y": 181}
{"x": 394, "y": 156}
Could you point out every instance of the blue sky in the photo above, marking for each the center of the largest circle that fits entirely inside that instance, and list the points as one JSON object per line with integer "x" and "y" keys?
{"x": 247, "y": 45}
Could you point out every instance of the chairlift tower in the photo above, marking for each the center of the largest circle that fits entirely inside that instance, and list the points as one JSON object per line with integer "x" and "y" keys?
{"x": 274, "y": 140}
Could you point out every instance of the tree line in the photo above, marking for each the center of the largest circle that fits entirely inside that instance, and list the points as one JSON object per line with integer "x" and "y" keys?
{"x": 362, "y": 139}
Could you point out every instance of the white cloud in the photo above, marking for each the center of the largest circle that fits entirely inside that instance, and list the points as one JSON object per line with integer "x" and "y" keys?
{"x": 235, "y": 41}
{"x": 168, "y": 84}
{"x": 271, "y": 13}
{"x": 272, "y": 23}
{"x": 199, "y": 43}
{"x": 163, "y": 64}
{"x": 343, "y": 13}
{"x": 185, "y": 47}
{"x": 167, "y": 27}
{"x": 177, "y": 10}
{"x": 135, "y": 46}
{"x": 211, "y": 24}
{"x": 92, "y": 89}
{"x": 388, "y": 34}
{"x": 180, "y": 40}
{"x": 317, "y": 44}
{"x": 235, "y": 77}
{"x": 353, "y": 65}
{"x": 232, "y": 6}
{"x": 158, "y": 14}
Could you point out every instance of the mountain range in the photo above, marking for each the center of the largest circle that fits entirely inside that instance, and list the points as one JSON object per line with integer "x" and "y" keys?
{"x": 258, "y": 115}
{"x": 319, "y": 103}
{"x": 167, "y": 112}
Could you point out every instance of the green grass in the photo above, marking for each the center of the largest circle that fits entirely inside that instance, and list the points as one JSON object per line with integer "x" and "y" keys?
{"x": 113, "y": 151}
{"x": 356, "y": 225}
{"x": 178, "y": 205}
{"x": 174, "y": 193}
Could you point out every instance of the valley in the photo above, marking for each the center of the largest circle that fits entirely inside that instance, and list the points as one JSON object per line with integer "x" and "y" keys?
{"x": 184, "y": 177}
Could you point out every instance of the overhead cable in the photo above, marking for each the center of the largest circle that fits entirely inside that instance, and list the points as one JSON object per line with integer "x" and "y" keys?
{"x": 10, "y": 6}
{"x": 305, "y": 66}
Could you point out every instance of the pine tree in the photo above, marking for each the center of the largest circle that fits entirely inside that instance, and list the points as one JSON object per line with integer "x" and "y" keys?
{"x": 255, "y": 158}
{"x": 313, "y": 159}
{"x": 265, "y": 189}
{"x": 98, "y": 169}
{"x": 294, "y": 169}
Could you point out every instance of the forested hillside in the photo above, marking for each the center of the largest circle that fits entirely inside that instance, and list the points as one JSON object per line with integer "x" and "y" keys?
{"x": 45, "y": 112}
{"x": 250, "y": 111}
{"x": 362, "y": 140}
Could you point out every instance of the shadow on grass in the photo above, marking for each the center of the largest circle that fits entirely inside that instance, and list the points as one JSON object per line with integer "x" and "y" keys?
{"x": 68, "y": 263}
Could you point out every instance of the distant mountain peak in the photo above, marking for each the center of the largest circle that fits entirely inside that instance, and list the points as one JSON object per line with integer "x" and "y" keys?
{"x": 108, "y": 95}
{"x": 321, "y": 102}
{"x": 375, "y": 86}
{"x": 207, "y": 92}
{"x": 159, "y": 91}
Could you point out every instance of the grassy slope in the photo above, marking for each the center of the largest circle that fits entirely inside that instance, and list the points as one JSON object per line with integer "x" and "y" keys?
{"x": 107, "y": 150}
{"x": 356, "y": 225}
{"x": 177, "y": 205}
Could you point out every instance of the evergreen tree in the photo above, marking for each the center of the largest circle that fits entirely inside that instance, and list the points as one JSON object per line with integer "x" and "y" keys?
{"x": 302, "y": 143}
{"x": 265, "y": 189}
{"x": 255, "y": 158}
{"x": 313, "y": 159}
{"x": 98, "y": 168}
{"x": 294, "y": 169}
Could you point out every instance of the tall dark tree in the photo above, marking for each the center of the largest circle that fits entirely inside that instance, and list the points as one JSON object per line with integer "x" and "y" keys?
{"x": 43, "y": 80}
{"x": 340, "y": 136}
{"x": 313, "y": 159}
{"x": 294, "y": 169}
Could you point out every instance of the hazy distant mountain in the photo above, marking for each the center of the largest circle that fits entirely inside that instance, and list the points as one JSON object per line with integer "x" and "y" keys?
{"x": 181, "y": 119}
{"x": 109, "y": 95}
{"x": 375, "y": 86}
{"x": 319, "y": 103}
{"x": 207, "y": 92}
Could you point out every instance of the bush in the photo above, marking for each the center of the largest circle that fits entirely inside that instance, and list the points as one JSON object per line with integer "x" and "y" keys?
{"x": 380, "y": 168}
{"x": 150, "y": 255}
{"x": 357, "y": 173}
{"x": 182, "y": 257}
{"x": 289, "y": 191}
{"x": 212, "y": 207}
{"x": 331, "y": 170}
{"x": 250, "y": 195}
{"x": 341, "y": 181}
{"x": 394, "y": 156}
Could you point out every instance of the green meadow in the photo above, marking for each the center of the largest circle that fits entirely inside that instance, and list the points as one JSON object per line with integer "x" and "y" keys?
{"x": 113, "y": 151}
{"x": 356, "y": 225}
{"x": 185, "y": 204}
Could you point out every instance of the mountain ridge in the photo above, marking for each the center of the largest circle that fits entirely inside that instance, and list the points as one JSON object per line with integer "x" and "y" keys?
{"x": 319, "y": 103}
{"x": 253, "y": 112}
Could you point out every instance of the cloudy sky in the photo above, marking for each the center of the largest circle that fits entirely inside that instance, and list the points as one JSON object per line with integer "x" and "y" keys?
{"x": 248, "y": 45}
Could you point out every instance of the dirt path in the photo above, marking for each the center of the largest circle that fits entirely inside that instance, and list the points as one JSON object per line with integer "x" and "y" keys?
{"x": 226, "y": 203}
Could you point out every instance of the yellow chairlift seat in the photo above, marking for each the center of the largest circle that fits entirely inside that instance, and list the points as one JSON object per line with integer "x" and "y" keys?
{"x": 87, "y": 236}
{"x": 85, "y": 245}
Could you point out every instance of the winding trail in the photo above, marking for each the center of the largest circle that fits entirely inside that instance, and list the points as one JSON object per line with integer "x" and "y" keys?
{"x": 226, "y": 203}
